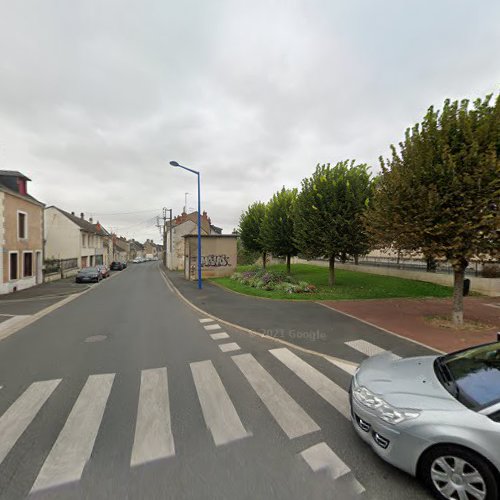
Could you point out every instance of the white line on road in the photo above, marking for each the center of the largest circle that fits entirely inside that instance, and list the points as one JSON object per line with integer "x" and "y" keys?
{"x": 368, "y": 348}
{"x": 325, "y": 387}
{"x": 153, "y": 433}
{"x": 206, "y": 320}
{"x": 230, "y": 346}
{"x": 321, "y": 457}
{"x": 350, "y": 368}
{"x": 218, "y": 410}
{"x": 219, "y": 336}
{"x": 20, "y": 414}
{"x": 72, "y": 450}
{"x": 286, "y": 411}
{"x": 212, "y": 327}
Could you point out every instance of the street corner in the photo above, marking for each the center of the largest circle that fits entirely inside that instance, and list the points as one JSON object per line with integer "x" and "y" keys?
{"x": 425, "y": 321}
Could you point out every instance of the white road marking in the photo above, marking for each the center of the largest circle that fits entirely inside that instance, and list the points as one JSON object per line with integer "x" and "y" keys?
{"x": 321, "y": 457}
{"x": 206, "y": 320}
{"x": 326, "y": 388}
{"x": 73, "y": 447}
{"x": 230, "y": 346}
{"x": 350, "y": 368}
{"x": 288, "y": 414}
{"x": 218, "y": 410}
{"x": 219, "y": 336}
{"x": 21, "y": 413}
{"x": 153, "y": 438}
{"x": 368, "y": 348}
{"x": 212, "y": 327}
{"x": 12, "y": 323}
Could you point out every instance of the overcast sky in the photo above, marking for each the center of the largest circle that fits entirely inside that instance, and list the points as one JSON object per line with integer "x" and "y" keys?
{"x": 96, "y": 96}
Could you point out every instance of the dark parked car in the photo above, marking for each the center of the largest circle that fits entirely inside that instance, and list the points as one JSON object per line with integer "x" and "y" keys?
{"x": 124, "y": 264}
{"x": 88, "y": 275}
{"x": 116, "y": 266}
{"x": 103, "y": 270}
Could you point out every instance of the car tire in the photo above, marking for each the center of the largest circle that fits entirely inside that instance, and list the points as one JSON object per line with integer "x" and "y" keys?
{"x": 434, "y": 462}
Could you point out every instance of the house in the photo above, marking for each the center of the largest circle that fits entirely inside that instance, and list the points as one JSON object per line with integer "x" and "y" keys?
{"x": 136, "y": 249}
{"x": 121, "y": 249}
{"x": 151, "y": 249}
{"x": 21, "y": 234}
{"x": 71, "y": 238}
{"x": 184, "y": 225}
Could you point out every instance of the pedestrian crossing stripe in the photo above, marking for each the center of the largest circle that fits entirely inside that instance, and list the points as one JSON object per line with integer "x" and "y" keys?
{"x": 212, "y": 327}
{"x": 153, "y": 436}
{"x": 206, "y": 320}
{"x": 368, "y": 349}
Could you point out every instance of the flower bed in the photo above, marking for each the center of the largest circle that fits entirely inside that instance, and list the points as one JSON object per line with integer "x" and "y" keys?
{"x": 272, "y": 280}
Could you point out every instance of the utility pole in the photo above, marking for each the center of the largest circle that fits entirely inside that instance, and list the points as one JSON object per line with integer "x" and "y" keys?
{"x": 163, "y": 232}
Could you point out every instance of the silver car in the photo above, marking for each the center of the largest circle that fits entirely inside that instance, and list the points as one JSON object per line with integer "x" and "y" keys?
{"x": 435, "y": 417}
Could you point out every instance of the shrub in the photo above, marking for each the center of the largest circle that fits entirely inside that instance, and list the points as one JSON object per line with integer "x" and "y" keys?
{"x": 272, "y": 280}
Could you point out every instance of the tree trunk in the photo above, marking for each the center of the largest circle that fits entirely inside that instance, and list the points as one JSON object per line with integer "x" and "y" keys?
{"x": 331, "y": 274}
{"x": 458, "y": 293}
{"x": 356, "y": 260}
{"x": 288, "y": 258}
{"x": 264, "y": 258}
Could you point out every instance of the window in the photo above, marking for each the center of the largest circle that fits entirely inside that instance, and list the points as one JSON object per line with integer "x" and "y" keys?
{"x": 22, "y": 230}
{"x": 13, "y": 266}
{"x": 84, "y": 240}
{"x": 27, "y": 264}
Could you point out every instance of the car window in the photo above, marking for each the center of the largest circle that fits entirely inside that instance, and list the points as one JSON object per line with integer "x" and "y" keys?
{"x": 476, "y": 373}
{"x": 495, "y": 416}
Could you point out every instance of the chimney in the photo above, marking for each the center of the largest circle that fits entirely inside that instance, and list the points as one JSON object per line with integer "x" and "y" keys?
{"x": 82, "y": 215}
{"x": 90, "y": 220}
{"x": 72, "y": 213}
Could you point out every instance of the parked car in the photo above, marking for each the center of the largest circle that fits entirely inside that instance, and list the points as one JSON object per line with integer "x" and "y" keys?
{"x": 88, "y": 275}
{"x": 124, "y": 264}
{"x": 435, "y": 417}
{"x": 116, "y": 266}
{"x": 138, "y": 260}
{"x": 103, "y": 269}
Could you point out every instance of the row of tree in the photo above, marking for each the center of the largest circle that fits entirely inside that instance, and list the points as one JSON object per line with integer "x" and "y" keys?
{"x": 438, "y": 194}
{"x": 324, "y": 219}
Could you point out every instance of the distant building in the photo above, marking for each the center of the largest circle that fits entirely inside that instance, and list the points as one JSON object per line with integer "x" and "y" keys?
{"x": 136, "y": 249}
{"x": 150, "y": 249}
{"x": 121, "y": 252}
{"x": 74, "y": 239}
{"x": 184, "y": 225}
{"x": 21, "y": 234}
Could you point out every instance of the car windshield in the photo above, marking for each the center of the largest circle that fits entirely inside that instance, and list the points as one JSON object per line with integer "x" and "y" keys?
{"x": 476, "y": 373}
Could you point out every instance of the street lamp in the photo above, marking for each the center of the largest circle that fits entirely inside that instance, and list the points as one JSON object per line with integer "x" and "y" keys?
{"x": 175, "y": 164}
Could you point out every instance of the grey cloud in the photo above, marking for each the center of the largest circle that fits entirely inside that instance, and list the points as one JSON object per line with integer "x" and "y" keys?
{"x": 253, "y": 94}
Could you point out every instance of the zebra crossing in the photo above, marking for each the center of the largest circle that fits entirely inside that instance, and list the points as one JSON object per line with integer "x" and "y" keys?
{"x": 154, "y": 437}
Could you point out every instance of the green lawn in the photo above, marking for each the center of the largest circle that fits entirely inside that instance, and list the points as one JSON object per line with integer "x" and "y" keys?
{"x": 349, "y": 285}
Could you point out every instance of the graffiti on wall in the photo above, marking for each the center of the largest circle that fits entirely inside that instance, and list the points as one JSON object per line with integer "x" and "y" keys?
{"x": 215, "y": 261}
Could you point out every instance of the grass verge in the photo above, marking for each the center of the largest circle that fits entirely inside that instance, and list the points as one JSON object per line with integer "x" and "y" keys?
{"x": 349, "y": 285}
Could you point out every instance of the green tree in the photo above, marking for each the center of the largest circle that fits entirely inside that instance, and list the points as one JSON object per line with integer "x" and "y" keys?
{"x": 328, "y": 215}
{"x": 250, "y": 229}
{"x": 277, "y": 227}
{"x": 439, "y": 192}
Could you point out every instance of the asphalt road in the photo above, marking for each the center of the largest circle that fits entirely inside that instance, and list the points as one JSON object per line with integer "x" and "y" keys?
{"x": 123, "y": 393}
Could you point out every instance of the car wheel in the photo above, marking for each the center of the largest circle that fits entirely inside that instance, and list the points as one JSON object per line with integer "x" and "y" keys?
{"x": 452, "y": 472}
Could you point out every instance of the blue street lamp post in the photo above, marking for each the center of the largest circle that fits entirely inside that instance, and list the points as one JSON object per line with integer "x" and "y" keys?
{"x": 175, "y": 164}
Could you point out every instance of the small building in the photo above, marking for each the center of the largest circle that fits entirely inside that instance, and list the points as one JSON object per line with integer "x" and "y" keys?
{"x": 183, "y": 225}
{"x": 21, "y": 234}
{"x": 136, "y": 250}
{"x": 121, "y": 249}
{"x": 218, "y": 255}
{"x": 150, "y": 249}
{"x": 72, "y": 240}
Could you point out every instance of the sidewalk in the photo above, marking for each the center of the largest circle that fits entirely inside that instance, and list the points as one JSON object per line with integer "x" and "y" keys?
{"x": 406, "y": 317}
{"x": 304, "y": 323}
{"x": 36, "y": 298}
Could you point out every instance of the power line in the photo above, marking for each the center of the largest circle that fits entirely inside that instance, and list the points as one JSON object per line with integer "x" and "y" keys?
{"x": 126, "y": 213}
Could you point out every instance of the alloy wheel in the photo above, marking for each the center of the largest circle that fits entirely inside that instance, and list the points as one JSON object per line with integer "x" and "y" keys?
{"x": 457, "y": 479}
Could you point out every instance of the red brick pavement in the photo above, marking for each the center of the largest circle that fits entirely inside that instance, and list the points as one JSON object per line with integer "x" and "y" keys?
{"x": 405, "y": 317}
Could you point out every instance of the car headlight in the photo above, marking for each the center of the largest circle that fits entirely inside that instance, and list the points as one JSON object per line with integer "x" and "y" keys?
{"x": 382, "y": 409}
